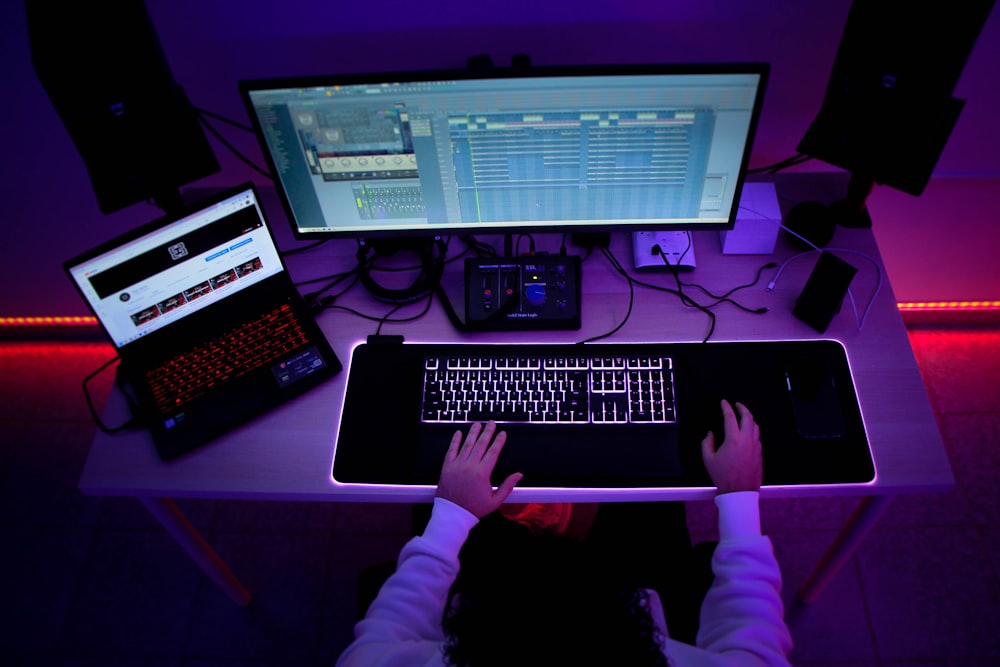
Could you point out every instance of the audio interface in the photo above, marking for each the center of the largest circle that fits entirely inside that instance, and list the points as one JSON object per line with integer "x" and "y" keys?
{"x": 529, "y": 293}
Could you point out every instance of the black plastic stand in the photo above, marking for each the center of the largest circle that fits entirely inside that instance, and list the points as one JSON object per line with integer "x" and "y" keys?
{"x": 816, "y": 222}
{"x": 850, "y": 211}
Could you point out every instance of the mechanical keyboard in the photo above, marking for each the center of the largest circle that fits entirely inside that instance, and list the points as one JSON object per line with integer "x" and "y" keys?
{"x": 572, "y": 389}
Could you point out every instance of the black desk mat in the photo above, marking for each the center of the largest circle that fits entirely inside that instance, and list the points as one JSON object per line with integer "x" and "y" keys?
{"x": 380, "y": 439}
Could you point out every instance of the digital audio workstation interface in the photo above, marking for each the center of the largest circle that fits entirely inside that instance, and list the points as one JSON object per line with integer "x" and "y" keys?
{"x": 494, "y": 152}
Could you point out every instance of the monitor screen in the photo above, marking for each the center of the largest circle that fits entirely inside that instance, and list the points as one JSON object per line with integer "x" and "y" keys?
{"x": 530, "y": 150}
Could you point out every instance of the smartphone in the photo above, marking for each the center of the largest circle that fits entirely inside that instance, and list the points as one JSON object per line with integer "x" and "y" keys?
{"x": 815, "y": 399}
{"x": 824, "y": 291}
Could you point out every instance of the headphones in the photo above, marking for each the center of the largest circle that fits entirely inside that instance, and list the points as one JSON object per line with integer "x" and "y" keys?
{"x": 431, "y": 253}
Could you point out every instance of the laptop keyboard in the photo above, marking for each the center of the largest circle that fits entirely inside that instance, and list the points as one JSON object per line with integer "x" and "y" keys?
{"x": 225, "y": 358}
{"x": 571, "y": 389}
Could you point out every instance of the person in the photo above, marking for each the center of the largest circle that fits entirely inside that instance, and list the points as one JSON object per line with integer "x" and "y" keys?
{"x": 550, "y": 606}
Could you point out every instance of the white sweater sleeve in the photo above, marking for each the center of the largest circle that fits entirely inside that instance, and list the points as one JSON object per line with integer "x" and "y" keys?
{"x": 742, "y": 616}
{"x": 403, "y": 624}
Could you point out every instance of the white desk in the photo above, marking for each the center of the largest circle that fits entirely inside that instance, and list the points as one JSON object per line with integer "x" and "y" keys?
{"x": 287, "y": 454}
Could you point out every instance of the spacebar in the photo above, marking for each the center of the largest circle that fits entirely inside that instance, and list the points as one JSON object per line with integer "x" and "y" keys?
{"x": 482, "y": 416}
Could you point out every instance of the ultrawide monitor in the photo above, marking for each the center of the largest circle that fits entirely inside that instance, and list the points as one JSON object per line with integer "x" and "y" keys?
{"x": 531, "y": 150}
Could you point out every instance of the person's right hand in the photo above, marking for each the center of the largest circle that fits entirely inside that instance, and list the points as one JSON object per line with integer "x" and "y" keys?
{"x": 736, "y": 465}
{"x": 465, "y": 474}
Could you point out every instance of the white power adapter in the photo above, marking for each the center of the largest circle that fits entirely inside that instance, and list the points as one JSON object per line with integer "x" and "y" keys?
{"x": 677, "y": 248}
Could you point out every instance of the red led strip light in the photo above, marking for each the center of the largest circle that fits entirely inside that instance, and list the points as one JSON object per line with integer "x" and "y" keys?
{"x": 907, "y": 306}
{"x": 948, "y": 305}
{"x": 73, "y": 320}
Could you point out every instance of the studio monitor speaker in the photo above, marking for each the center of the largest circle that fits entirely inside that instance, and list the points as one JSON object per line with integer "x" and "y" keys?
{"x": 104, "y": 69}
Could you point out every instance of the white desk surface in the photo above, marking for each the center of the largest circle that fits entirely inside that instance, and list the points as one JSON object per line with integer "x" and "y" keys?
{"x": 287, "y": 454}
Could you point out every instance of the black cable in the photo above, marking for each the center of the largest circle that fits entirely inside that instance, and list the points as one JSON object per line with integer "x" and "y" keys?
{"x": 449, "y": 309}
{"x": 382, "y": 321}
{"x": 777, "y": 166}
{"x": 90, "y": 403}
{"x": 587, "y": 253}
{"x": 531, "y": 244}
{"x": 370, "y": 265}
{"x": 352, "y": 311}
{"x": 334, "y": 280}
{"x": 384, "y": 318}
{"x": 232, "y": 149}
{"x": 792, "y": 163}
{"x": 294, "y": 251}
{"x": 458, "y": 256}
{"x": 631, "y": 296}
{"x": 318, "y": 302}
{"x": 673, "y": 267}
{"x": 718, "y": 299}
{"x": 387, "y": 316}
{"x": 798, "y": 158}
{"x": 481, "y": 249}
{"x": 224, "y": 119}
{"x": 685, "y": 299}
{"x": 674, "y": 271}
{"x": 725, "y": 297}
{"x": 692, "y": 304}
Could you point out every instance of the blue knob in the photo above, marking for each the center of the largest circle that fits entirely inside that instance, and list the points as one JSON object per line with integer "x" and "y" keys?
{"x": 535, "y": 294}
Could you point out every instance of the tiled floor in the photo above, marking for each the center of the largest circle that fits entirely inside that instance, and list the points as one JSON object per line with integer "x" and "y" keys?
{"x": 90, "y": 581}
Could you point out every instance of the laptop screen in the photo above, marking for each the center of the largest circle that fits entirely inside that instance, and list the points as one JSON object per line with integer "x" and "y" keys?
{"x": 176, "y": 267}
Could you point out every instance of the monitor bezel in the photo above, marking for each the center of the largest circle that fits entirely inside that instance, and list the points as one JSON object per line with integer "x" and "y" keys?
{"x": 247, "y": 86}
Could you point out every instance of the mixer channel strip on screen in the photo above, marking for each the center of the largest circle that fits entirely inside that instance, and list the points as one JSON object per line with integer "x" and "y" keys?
{"x": 377, "y": 202}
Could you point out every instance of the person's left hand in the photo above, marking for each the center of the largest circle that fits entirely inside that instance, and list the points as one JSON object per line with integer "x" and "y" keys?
{"x": 465, "y": 474}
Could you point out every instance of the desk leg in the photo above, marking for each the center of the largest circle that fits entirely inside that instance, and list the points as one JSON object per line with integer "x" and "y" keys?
{"x": 170, "y": 517}
{"x": 858, "y": 526}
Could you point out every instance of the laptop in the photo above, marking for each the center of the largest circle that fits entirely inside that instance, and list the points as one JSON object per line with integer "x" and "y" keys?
{"x": 208, "y": 326}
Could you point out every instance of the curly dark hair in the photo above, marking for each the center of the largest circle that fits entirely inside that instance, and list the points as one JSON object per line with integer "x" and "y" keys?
{"x": 545, "y": 600}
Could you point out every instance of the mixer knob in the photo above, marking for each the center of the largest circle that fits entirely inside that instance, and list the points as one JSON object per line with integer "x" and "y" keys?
{"x": 535, "y": 294}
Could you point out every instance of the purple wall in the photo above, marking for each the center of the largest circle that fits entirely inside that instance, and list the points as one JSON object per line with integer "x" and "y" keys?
{"x": 50, "y": 212}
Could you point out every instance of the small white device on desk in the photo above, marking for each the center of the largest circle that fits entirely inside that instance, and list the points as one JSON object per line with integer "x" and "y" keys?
{"x": 755, "y": 231}
{"x": 676, "y": 248}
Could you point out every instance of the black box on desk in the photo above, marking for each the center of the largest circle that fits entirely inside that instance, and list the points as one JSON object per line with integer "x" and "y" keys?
{"x": 523, "y": 293}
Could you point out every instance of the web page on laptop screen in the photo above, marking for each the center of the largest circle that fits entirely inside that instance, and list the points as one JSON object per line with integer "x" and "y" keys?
{"x": 179, "y": 269}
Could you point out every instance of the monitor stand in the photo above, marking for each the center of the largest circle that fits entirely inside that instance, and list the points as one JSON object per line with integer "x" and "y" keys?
{"x": 813, "y": 223}
{"x": 851, "y": 211}
{"x": 651, "y": 251}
